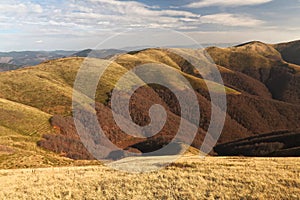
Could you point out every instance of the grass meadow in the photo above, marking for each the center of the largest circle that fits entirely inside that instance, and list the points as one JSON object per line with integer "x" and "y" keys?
{"x": 189, "y": 178}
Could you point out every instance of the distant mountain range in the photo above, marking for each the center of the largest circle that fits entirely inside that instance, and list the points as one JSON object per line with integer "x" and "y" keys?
{"x": 30, "y": 58}
{"x": 263, "y": 95}
{"x": 16, "y": 60}
{"x": 20, "y": 59}
{"x": 105, "y": 53}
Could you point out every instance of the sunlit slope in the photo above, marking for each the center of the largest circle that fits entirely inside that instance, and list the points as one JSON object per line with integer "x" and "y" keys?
{"x": 49, "y": 86}
{"x": 45, "y": 87}
{"x": 248, "y": 58}
{"x": 25, "y": 118}
{"x": 21, "y": 127}
{"x": 173, "y": 58}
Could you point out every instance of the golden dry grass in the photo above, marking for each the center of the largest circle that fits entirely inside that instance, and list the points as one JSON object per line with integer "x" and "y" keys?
{"x": 21, "y": 127}
{"x": 190, "y": 178}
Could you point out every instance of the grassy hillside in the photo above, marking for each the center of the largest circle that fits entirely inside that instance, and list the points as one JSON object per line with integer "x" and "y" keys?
{"x": 251, "y": 109}
{"x": 20, "y": 128}
{"x": 262, "y": 93}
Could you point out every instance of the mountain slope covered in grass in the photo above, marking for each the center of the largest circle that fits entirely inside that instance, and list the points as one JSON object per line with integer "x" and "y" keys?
{"x": 262, "y": 95}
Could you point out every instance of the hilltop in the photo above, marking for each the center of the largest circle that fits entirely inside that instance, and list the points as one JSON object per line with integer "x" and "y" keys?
{"x": 262, "y": 87}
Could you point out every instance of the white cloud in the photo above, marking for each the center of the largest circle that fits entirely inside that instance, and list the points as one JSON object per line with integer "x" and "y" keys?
{"x": 92, "y": 16}
{"x": 133, "y": 8}
{"x": 114, "y": 14}
{"x": 126, "y": 14}
{"x": 81, "y": 21}
{"x": 228, "y": 19}
{"x": 20, "y": 8}
{"x": 226, "y": 3}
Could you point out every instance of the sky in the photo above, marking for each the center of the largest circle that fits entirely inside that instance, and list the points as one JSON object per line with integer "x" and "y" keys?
{"x": 81, "y": 24}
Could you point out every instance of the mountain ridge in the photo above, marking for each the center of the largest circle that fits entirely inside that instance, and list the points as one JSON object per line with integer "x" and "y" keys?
{"x": 251, "y": 73}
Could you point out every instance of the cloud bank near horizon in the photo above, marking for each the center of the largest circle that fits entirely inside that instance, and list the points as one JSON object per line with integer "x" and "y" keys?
{"x": 228, "y": 3}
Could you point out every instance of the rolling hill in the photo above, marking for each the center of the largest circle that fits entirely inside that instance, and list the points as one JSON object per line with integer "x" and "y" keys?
{"x": 263, "y": 91}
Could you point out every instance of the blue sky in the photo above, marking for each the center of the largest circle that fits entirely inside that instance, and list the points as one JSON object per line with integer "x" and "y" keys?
{"x": 79, "y": 24}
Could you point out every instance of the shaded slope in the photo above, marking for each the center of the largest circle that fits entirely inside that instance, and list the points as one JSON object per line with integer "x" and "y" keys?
{"x": 263, "y": 63}
{"x": 243, "y": 83}
{"x": 290, "y": 51}
{"x": 282, "y": 143}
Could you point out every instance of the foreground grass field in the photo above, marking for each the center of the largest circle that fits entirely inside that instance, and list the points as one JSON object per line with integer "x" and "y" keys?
{"x": 189, "y": 178}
